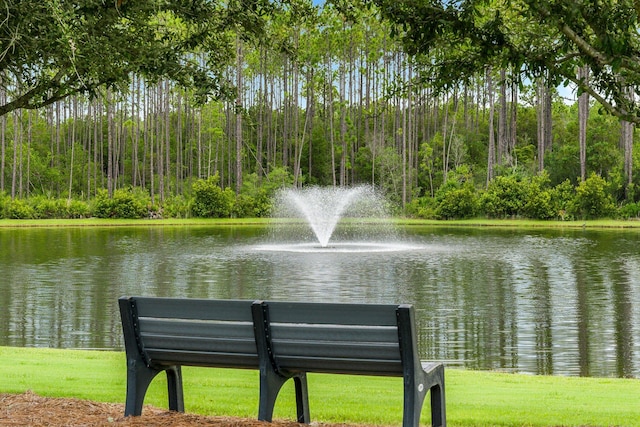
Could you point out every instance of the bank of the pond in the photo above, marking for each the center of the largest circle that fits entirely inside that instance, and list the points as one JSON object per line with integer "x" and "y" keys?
{"x": 99, "y": 222}
{"x": 473, "y": 398}
{"x": 408, "y": 222}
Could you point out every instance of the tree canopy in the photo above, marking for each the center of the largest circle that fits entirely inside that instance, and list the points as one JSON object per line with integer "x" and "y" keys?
{"x": 52, "y": 49}
{"x": 457, "y": 39}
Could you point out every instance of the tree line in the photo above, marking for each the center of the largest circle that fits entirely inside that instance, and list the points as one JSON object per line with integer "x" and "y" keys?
{"x": 311, "y": 95}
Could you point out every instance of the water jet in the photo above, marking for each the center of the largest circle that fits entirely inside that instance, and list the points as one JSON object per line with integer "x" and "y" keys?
{"x": 332, "y": 219}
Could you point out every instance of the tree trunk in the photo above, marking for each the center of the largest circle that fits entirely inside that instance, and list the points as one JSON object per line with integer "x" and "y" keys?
{"x": 491, "y": 151}
{"x": 627, "y": 130}
{"x": 3, "y": 136}
{"x": 343, "y": 125}
{"x": 17, "y": 116}
{"x": 239, "y": 141}
{"x": 110, "y": 142}
{"x": 73, "y": 143}
{"x": 513, "y": 126}
{"x": 583, "y": 117}
{"x": 502, "y": 119}
{"x": 544, "y": 121}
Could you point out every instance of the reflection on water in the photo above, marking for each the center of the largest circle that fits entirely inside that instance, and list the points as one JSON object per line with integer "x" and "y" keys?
{"x": 546, "y": 302}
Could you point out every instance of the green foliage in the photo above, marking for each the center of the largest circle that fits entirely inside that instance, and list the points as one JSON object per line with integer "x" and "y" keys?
{"x": 153, "y": 38}
{"x": 473, "y": 34}
{"x": 47, "y": 208}
{"x": 457, "y": 203}
{"x": 276, "y": 179}
{"x": 78, "y": 209}
{"x": 539, "y": 201}
{"x": 177, "y": 207}
{"x": 123, "y": 204}
{"x": 563, "y": 195}
{"x": 3, "y": 199}
{"x": 592, "y": 199}
{"x": 456, "y": 199}
{"x": 258, "y": 206}
{"x": 210, "y": 201}
{"x": 563, "y": 164}
{"x": 18, "y": 209}
{"x": 421, "y": 207}
{"x": 505, "y": 197}
{"x": 630, "y": 211}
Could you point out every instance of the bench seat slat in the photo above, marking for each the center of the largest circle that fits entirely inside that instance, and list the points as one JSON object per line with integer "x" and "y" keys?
{"x": 337, "y": 351}
{"x": 341, "y": 366}
{"x": 207, "y": 329}
{"x": 335, "y": 333}
{"x": 166, "y": 357}
{"x": 201, "y": 309}
{"x": 197, "y": 343}
{"x": 332, "y": 313}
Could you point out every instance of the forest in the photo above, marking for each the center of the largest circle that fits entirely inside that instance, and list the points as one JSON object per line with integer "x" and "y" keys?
{"x": 191, "y": 117}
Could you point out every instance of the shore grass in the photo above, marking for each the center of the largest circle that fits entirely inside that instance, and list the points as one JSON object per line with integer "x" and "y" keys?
{"x": 407, "y": 222}
{"x": 474, "y": 399}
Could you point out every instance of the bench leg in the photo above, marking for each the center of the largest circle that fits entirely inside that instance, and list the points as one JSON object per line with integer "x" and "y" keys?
{"x": 415, "y": 391}
{"x": 174, "y": 385}
{"x": 139, "y": 376}
{"x": 270, "y": 385}
{"x": 437, "y": 406}
{"x": 413, "y": 400}
{"x": 302, "y": 398}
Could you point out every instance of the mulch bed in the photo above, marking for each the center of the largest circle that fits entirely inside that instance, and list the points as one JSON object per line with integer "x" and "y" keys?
{"x": 29, "y": 409}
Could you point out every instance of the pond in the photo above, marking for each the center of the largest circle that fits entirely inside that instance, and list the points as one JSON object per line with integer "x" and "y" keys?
{"x": 562, "y": 302}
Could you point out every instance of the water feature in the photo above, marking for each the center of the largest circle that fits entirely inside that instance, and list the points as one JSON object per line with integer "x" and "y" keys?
{"x": 564, "y": 302}
{"x": 333, "y": 219}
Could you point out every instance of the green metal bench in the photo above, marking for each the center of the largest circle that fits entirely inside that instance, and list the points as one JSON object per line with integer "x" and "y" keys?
{"x": 360, "y": 339}
{"x": 283, "y": 340}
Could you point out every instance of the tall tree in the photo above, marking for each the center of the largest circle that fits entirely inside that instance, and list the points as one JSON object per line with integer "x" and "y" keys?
{"x": 53, "y": 49}
{"x": 491, "y": 156}
{"x": 583, "y": 118}
{"x": 238, "y": 115}
{"x": 560, "y": 36}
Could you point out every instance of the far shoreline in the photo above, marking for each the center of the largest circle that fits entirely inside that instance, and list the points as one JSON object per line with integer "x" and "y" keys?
{"x": 604, "y": 224}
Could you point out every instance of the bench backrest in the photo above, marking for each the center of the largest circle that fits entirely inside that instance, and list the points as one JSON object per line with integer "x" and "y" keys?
{"x": 333, "y": 338}
{"x": 197, "y": 332}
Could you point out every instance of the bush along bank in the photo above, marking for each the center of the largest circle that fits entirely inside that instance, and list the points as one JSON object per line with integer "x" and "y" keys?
{"x": 509, "y": 196}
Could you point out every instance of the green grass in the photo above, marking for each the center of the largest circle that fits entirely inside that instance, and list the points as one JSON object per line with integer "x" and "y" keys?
{"x": 476, "y": 222}
{"x": 98, "y": 222}
{"x": 473, "y": 398}
{"x": 523, "y": 223}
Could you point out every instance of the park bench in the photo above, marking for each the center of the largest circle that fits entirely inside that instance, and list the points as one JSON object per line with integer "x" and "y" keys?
{"x": 284, "y": 340}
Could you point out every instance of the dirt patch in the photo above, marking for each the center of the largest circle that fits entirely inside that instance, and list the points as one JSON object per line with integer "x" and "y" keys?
{"x": 29, "y": 409}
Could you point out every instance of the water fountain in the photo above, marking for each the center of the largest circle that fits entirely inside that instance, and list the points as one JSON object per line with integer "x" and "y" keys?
{"x": 333, "y": 219}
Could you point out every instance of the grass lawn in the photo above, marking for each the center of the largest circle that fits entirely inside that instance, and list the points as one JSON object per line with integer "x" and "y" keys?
{"x": 473, "y": 398}
{"x": 475, "y": 222}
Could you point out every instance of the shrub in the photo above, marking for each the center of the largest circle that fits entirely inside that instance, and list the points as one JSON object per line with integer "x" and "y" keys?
{"x": 257, "y": 206}
{"x": 3, "y": 200}
{"x": 18, "y": 209}
{"x": 209, "y": 200}
{"x": 47, "y": 208}
{"x": 505, "y": 197}
{"x": 457, "y": 203}
{"x": 421, "y": 207}
{"x": 123, "y": 204}
{"x": 539, "y": 202}
{"x": 592, "y": 199}
{"x": 630, "y": 211}
{"x": 563, "y": 195}
{"x": 177, "y": 207}
{"x": 77, "y": 209}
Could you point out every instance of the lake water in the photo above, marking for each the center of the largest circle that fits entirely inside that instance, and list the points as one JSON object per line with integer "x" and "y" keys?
{"x": 563, "y": 302}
